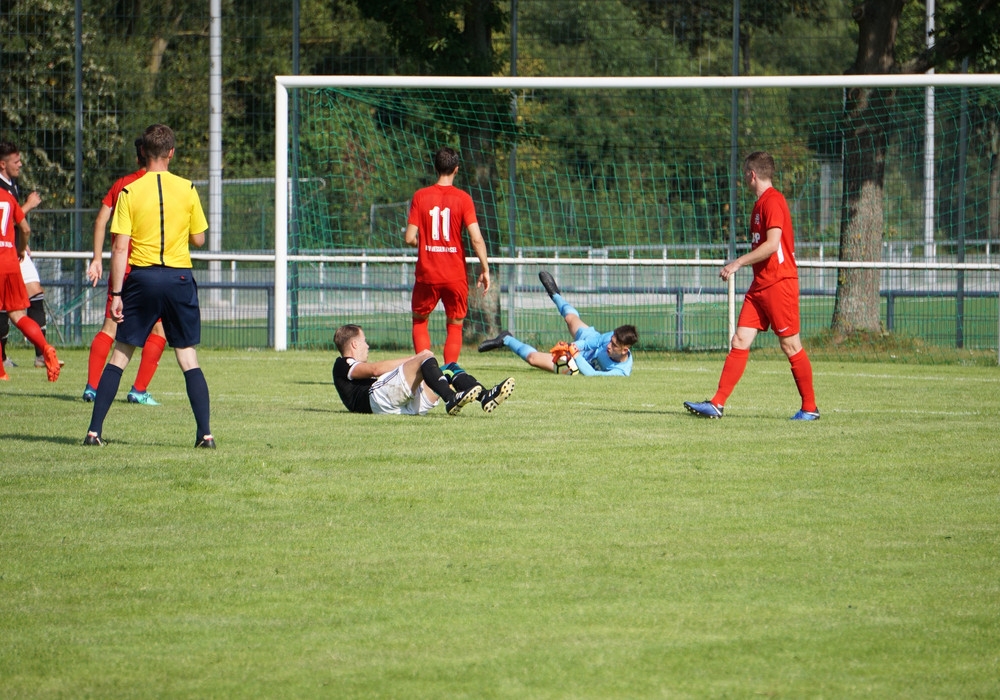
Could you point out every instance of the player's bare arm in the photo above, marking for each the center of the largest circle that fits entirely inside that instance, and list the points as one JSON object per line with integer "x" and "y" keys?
{"x": 23, "y": 233}
{"x": 33, "y": 200}
{"x": 370, "y": 370}
{"x": 197, "y": 239}
{"x": 479, "y": 246}
{"x": 119, "y": 260}
{"x": 762, "y": 252}
{"x": 96, "y": 268}
{"x": 410, "y": 237}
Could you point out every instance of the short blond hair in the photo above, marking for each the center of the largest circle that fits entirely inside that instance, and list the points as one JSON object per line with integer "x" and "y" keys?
{"x": 761, "y": 163}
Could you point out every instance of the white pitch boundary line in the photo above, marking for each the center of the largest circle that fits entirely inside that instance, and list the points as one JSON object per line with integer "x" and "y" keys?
{"x": 865, "y": 375}
{"x": 744, "y": 411}
{"x": 821, "y": 373}
{"x": 882, "y": 411}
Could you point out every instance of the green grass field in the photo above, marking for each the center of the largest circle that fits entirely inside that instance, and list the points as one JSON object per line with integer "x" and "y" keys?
{"x": 588, "y": 540}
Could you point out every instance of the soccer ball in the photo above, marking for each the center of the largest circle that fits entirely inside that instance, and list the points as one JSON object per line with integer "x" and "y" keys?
{"x": 566, "y": 365}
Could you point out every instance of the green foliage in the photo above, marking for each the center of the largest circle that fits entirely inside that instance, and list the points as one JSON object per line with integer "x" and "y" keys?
{"x": 447, "y": 37}
{"x": 965, "y": 30}
{"x": 38, "y": 84}
{"x": 144, "y": 63}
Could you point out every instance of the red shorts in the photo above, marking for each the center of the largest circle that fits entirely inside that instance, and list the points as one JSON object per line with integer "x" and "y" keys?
{"x": 13, "y": 293}
{"x": 455, "y": 297}
{"x": 775, "y": 306}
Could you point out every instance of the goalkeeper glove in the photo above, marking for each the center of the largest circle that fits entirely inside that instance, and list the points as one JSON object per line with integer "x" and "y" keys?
{"x": 560, "y": 350}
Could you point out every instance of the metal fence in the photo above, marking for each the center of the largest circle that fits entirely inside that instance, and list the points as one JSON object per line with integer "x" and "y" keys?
{"x": 676, "y": 300}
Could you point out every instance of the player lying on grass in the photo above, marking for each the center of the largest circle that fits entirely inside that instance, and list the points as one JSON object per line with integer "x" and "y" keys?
{"x": 407, "y": 385}
{"x": 593, "y": 354}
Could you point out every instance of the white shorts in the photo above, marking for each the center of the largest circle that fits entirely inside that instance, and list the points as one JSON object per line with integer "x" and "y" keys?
{"x": 28, "y": 270}
{"x": 391, "y": 395}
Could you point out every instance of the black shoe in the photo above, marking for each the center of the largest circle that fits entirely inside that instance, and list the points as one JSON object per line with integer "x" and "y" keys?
{"x": 548, "y": 282}
{"x": 207, "y": 442}
{"x": 93, "y": 439}
{"x": 493, "y": 343}
{"x": 497, "y": 395}
{"x": 463, "y": 398}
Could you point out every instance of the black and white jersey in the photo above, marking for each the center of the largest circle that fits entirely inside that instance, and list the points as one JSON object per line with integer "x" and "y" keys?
{"x": 353, "y": 392}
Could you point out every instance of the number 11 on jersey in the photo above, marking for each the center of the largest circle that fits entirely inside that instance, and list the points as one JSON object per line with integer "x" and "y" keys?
{"x": 441, "y": 223}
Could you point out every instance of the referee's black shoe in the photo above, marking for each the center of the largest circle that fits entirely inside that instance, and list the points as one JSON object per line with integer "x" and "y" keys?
{"x": 549, "y": 283}
{"x": 206, "y": 441}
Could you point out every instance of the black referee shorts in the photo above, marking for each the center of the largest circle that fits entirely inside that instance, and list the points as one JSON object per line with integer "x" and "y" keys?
{"x": 166, "y": 293}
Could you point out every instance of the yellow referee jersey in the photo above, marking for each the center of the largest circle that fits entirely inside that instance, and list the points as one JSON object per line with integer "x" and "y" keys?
{"x": 159, "y": 211}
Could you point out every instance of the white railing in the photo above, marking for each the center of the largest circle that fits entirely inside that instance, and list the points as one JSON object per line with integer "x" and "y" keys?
{"x": 248, "y": 285}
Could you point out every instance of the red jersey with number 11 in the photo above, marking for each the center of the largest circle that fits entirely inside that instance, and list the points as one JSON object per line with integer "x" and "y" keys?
{"x": 440, "y": 213}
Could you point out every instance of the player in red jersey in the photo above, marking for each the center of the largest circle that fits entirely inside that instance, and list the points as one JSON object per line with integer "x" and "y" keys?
{"x": 437, "y": 216}
{"x": 152, "y": 351}
{"x": 10, "y": 171}
{"x": 14, "y": 232}
{"x": 773, "y": 298}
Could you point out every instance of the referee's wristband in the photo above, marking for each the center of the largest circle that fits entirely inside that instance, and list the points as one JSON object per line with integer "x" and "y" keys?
{"x": 115, "y": 294}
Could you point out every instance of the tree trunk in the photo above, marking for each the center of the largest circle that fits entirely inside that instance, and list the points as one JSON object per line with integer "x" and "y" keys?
{"x": 483, "y": 320}
{"x": 857, "y": 306}
{"x": 865, "y": 144}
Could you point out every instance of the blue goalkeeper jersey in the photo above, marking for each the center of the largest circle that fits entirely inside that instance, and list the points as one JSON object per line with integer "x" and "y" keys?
{"x": 594, "y": 360}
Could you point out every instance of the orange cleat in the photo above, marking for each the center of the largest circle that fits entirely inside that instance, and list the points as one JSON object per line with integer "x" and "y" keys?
{"x": 52, "y": 364}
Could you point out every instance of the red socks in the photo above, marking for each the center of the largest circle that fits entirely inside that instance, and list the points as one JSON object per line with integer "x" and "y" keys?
{"x": 452, "y": 342}
{"x": 99, "y": 349}
{"x": 732, "y": 370}
{"x": 31, "y": 330}
{"x": 421, "y": 336}
{"x": 802, "y": 372}
{"x": 152, "y": 351}
{"x": 736, "y": 362}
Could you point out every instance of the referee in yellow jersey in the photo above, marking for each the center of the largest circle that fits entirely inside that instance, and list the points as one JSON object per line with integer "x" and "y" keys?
{"x": 158, "y": 216}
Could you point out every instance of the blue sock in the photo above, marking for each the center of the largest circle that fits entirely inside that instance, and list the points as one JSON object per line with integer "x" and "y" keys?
{"x": 111, "y": 378}
{"x": 197, "y": 391}
{"x": 516, "y": 346}
{"x": 565, "y": 308}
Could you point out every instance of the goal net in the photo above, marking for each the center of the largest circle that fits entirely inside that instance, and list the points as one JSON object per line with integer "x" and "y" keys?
{"x": 629, "y": 190}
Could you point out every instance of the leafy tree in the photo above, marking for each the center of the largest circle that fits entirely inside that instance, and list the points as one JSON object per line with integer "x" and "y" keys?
{"x": 965, "y": 30}
{"x": 700, "y": 23}
{"x": 456, "y": 37}
{"x": 37, "y": 74}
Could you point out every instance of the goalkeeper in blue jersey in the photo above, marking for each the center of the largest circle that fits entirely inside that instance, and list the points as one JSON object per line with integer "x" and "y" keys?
{"x": 592, "y": 354}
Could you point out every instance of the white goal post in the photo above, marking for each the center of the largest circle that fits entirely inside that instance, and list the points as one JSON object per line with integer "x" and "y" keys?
{"x": 287, "y": 83}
